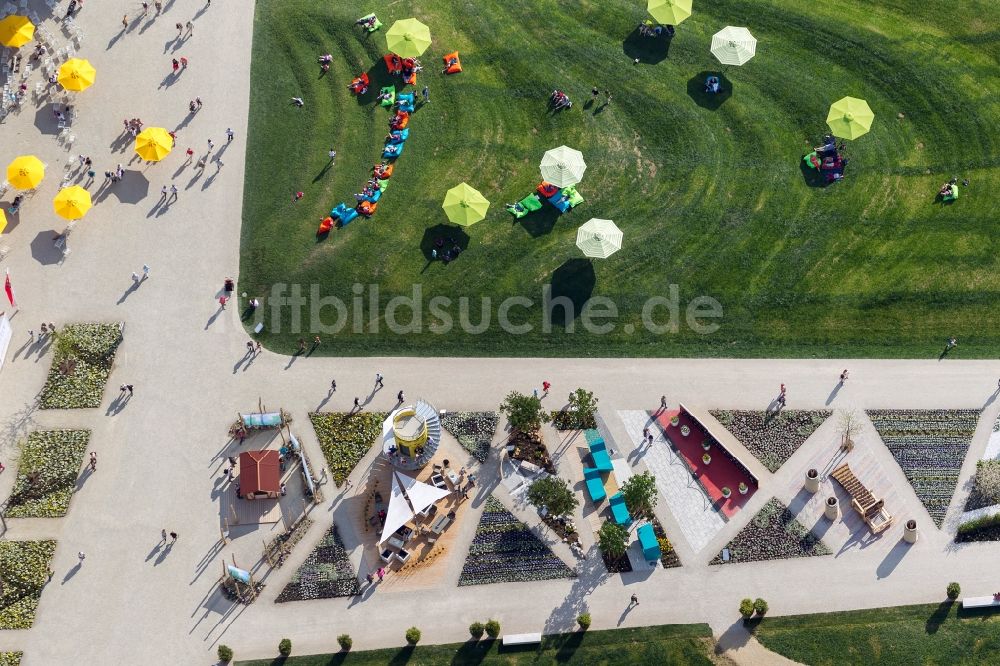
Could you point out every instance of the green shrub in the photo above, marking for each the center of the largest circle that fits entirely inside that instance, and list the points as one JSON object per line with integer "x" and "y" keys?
{"x": 954, "y": 590}
{"x": 345, "y": 642}
{"x": 492, "y": 628}
{"x": 47, "y": 473}
{"x": 746, "y": 608}
{"x": 81, "y": 365}
{"x": 983, "y": 522}
{"x": 760, "y": 606}
{"x": 346, "y": 438}
{"x": 476, "y": 630}
{"x": 285, "y": 647}
{"x": 583, "y": 619}
{"x": 225, "y": 654}
{"x": 412, "y": 636}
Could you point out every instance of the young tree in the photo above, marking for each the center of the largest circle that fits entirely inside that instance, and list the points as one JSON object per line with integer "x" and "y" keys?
{"x": 554, "y": 494}
{"x": 524, "y": 411}
{"x": 584, "y": 405}
{"x": 640, "y": 494}
{"x": 612, "y": 539}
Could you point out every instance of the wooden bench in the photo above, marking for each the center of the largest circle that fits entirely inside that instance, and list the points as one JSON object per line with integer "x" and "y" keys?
{"x": 871, "y": 509}
{"x": 980, "y": 602}
{"x": 522, "y": 639}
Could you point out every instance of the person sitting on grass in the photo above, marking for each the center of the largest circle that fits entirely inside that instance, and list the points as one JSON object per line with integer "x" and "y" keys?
{"x": 367, "y": 22}
{"x": 325, "y": 59}
{"x": 297, "y": 101}
{"x": 946, "y": 190}
{"x": 712, "y": 85}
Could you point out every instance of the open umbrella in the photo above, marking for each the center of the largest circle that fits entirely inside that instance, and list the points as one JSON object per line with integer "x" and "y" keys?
{"x": 72, "y": 202}
{"x": 850, "y": 118}
{"x": 733, "y": 46}
{"x": 563, "y": 166}
{"x": 76, "y": 74}
{"x": 153, "y": 144}
{"x": 25, "y": 172}
{"x": 464, "y": 205}
{"x": 669, "y": 12}
{"x": 16, "y": 31}
{"x": 408, "y": 38}
{"x": 599, "y": 238}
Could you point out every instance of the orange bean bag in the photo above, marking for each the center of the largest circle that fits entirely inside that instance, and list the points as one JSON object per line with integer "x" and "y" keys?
{"x": 452, "y": 64}
{"x": 547, "y": 189}
{"x": 411, "y": 80}
{"x": 325, "y": 225}
{"x": 387, "y": 172}
{"x": 393, "y": 63}
{"x": 367, "y": 208}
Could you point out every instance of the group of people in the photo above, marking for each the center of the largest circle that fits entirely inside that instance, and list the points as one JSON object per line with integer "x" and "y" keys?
{"x": 445, "y": 252}
{"x": 133, "y": 126}
{"x": 324, "y": 62}
{"x": 829, "y": 159}
{"x": 560, "y": 100}
{"x": 116, "y": 175}
{"x": 949, "y": 190}
{"x": 649, "y": 29}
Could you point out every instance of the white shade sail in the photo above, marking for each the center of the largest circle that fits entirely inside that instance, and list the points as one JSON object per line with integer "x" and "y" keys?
{"x": 408, "y": 496}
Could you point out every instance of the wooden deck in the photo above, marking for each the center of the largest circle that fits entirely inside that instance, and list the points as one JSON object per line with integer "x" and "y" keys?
{"x": 249, "y": 512}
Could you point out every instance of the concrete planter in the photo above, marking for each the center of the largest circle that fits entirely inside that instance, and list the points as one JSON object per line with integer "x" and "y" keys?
{"x": 910, "y": 531}
{"x": 832, "y": 508}
{"x": 812, "y": 481}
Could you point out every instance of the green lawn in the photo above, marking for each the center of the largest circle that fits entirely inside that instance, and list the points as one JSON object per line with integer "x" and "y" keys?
{"x": 905, "y": 635}
{"x": 656, "y": 646}
{"x": 710, "y": 199}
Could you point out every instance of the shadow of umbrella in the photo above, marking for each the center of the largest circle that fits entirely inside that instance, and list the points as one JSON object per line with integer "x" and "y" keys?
{"x": 45, "y": 119}
{"x": 575, "y": 280}
{"x": 44, "y": 250}
{"x": 132, "y": 188}
{"x": 710, "y": 101}
{"x": 455, "y": 233}
{"x": 649, "y": 50}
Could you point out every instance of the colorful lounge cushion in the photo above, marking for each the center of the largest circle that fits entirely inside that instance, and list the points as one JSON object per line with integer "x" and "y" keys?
{"x": 368, "y": 24}
{"x": 393, "y": 150}
{"x": 647, "y": 540}
{"x": 386, "y": 172}
{"x": 531, "y": 203}
{"x": 602, "y": 460}
{"x": 367, "y": 208}
{"x": 618, "y": 510}
{"x": 399, "y": 136}
{"x": 452, "y": 63}
{"x": 546, "y": 189}
{"x": 393, "y": 63}
{"x": 373, "y": 197}
{"x": 411, "y": 79}
{"x": 391, "y": 92}
{"x": 346, "y": 218}
{"x": 560, "y": 202}
{"x": 517, "y": 210}
{"x": 325, "y": 225}
{"x": 359, "y": 85}
{"x": 574, "y": 197}
{"x": 595, "y": 484}
{"x": 382, "y": 185}
{"x": 340, "y": 210}
{"x": 953, "y": 195}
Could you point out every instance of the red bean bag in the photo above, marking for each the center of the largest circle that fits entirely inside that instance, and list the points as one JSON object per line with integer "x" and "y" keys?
{"x": 452, "y": 64}
{"x": 547, "y": 189}
{"x": 325, "y": 225}
{"x": 393, "y": 63}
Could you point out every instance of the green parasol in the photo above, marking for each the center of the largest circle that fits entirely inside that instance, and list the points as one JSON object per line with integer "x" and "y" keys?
{"x": 408, "y": 38}
{"x": 669, "y": 12}
{"x": 850, "y": 118}
{"x": 465, "y": 205}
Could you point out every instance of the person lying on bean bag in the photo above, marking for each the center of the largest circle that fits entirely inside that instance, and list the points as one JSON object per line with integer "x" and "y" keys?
{"x": 393, "y": 63}
{"x": 393, "y": 150}
{"x": 383, "y": 171}
{"x": 547, "y": 189}
{"x": 398, "y": 136}
{"x": 359, "y": 85}
{"x": 387, "y": 96}
{"x": 452, "y": 64}
{"x": 367, "y": 208}
{"x": 369, "y": 23}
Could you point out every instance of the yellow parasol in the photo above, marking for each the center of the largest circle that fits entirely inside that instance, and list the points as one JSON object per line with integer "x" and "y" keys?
{"x": 76, "y": 74}
{"x": 16, "y": 31}
{"x": 72, "y": 202}
{"x": 3, "y": 220}
{"x": 25, "y": 172}
{"x": 153, "y": 144}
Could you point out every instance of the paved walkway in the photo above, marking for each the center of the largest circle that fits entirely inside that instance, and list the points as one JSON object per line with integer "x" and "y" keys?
{"x": 158, "y": 455}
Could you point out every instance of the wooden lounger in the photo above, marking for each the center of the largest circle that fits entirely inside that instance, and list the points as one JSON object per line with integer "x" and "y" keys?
{"x": 871, "y": 509}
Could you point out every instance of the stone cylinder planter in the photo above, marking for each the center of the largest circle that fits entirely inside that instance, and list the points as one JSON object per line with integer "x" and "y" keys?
{"x": 812, "y": 481}
{"x": 910, "y": 531}
{"x": 832, "y": 508}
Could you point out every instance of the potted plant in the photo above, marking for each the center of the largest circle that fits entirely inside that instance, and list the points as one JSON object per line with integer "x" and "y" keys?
{"x": 706, "y": 444}
{"x": 726, "y": 492}
{"x": 832, "y": 508}
{"x": 345, "y": 642}
{"x": 954, "y": 590}
{"x": 685, "y": 430}
{"x": 744, "y": 488}
{"x": 675, "y": 420}
{"x": 583, "y": 619}
{"x": 910, "y": 531}
{"x": 707, "y": 459}
{"x": 812, "y": 481}
{"x": 285, "y": 647}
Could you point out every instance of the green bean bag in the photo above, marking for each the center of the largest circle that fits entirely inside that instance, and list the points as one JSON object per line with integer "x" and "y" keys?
{"x": 382, "y": 185}
{"x": 375, "y": 26}
{"x": 531, "y": 203}
{"x": 953, "y": 195}
{"x": 391, "y": 99}
{"x": 574, "y": 197}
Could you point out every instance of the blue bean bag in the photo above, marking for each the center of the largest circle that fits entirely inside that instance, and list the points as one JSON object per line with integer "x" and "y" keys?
{"x": 399, "y": 136}
{"x": 558, "y": 201}
{"x": 374, "y": 197}
{"x": 340, "y": 210}
{"x": 393, "y": 150}
{"x": 349, "y": 215}
{"x": 405, "y": 102}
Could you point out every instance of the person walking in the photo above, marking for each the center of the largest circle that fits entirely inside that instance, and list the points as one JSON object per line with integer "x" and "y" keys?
{"x": 399, "y": 397}
{"x": 634, "y": 601}
{"x": 843, "y": 376}
{"x": 190, "y": 28}
{"x": 173, "y": 192}
{"x": 198, "y": 103}
{"x": 645, "y": 433}
{"x": 426, "y": 92}
{"x": 378, "y": 380}
{"x": 545, "y": 387}
{"x": 135, "y": 278}
{"x": 608, "y": 93}
{"x": 125, "y": 21}
{"x": 163, "y": 193}
{"x": 229, "y": 134}
{"x": 357, "y": 404}
{"x": 93, "y": 461}
{"x": 163, "y": 536}
{"x": 145, "y": 272}
{"x": 184, "y": 62}
{"x": 663, "y": 402}
{"x": 180, "y": 28}
{"x": 173, "y": 537}
{"x": 190, "y": 155}
{"x": 332, "y": 154}
{"x": 594, "y": 92}
{"x": 81, "y": 556}
{"x": 175, "y": 64}
{"x": 129, "y": 388}
{"x": 211, "y": 144}
{"x": 333, "y": 386}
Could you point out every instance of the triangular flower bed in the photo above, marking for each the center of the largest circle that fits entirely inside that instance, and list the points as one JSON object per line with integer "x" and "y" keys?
{"x": 325, "y": 574}
{"x": 930, "y": 447}
{"x": 473, "y": 430}
{"x": 504, "y": 550}
{"x": 773, "y": 534}
{"x": 772, "y": 437}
